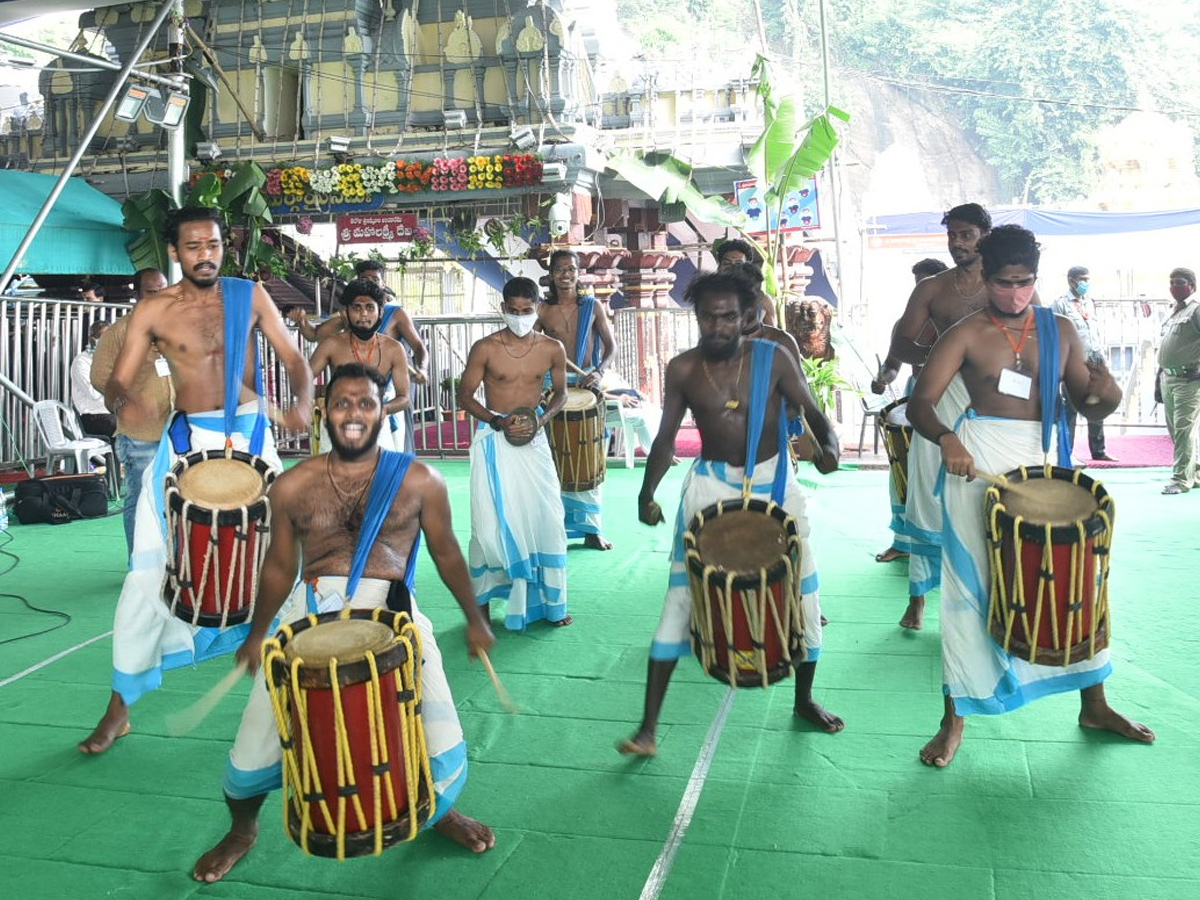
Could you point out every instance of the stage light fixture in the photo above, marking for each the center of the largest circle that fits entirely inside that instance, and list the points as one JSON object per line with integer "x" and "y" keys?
{"x": 454, "y": 118}
{"x": 207, "y": 151}
{"x": 523, "y": 138}
{"x": 131, "y": 104}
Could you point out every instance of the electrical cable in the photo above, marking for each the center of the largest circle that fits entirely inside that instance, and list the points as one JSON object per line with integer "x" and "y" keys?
{"x": 65, "y": 618}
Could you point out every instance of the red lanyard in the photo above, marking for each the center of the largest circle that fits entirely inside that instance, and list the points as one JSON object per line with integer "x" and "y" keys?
{"x": 1017, "y": 346}
{"x": 373, "y": 344}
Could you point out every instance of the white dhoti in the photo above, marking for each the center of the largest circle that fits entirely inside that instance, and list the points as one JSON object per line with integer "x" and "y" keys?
{"x": 581, "y": 512}
{"x": 146, "y": 638}
{"x": 923, "y": 513}
{"x": 255, "y": 762}
{"x": 518, "y": 549}
{"x": 707, "y": 483}
{"x": 978, "y": 674}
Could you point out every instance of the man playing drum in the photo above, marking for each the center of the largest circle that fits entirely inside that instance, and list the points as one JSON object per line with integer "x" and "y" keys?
{"x": 714, "y": 380}
{"x": 321, "y": 507}
{"x": 365, "y": 344}
{"x": 518, "y": 549}
{"x": 935, "y": 305}
{"x": 1011, "y": 355}
{"x": 581, "y": 325}
{"x": 204, "y": 326}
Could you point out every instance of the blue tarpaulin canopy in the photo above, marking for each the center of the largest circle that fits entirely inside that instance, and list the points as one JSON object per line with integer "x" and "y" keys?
{"x": 1045, "y": 222}
{"x": 83, "y": 235}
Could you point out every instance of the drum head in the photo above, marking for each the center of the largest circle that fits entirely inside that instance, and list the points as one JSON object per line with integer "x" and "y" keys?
{"x": 579, "y": 398}
{"x": 897, "y": 414}
{"x": 347, "y": 639}
{"x": 742, "y": 541}
{"x": 1049, "y": 501}
{"x": 221, "y": 484}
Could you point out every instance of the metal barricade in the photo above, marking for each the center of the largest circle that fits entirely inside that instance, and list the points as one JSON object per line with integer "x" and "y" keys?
{"x": 39, "y": 339}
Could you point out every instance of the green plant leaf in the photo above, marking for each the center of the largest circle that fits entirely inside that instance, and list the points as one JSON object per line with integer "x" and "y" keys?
{"x": 145, "y": 215}
{"x": 205, "y": 192}
{"x": 667, "y": 179}
{"x": 246, "y": 177}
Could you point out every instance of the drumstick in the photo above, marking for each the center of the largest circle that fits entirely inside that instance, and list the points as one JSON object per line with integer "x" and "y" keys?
{"x": 185, "y": 721}
{"x": 505, "y": 700}
{"x": 578, "y": 371}
{"x": 1019, "y": 487}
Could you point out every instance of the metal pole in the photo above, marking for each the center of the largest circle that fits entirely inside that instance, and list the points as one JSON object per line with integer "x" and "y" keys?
{"x": 97, "y": 61}
{"x": 60, "y": 185}
{"x": 176, "y": 137}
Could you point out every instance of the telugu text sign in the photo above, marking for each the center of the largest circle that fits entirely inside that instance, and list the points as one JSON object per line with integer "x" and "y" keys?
{"x": 390, "y": 228}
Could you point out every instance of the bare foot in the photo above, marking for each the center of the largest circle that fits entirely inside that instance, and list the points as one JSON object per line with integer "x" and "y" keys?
{"x": 890, "y": 554}
{"x": 812, "y": 712}
{"x": 1099, "y": 715}
{"x": 563, "y": 623}
{"x": 596, "y": 542}
{"x": 641, "y": 744}
{"x": 467, "y": 832}
{"x": 114, "y": 725}
{"x": 914, "y": 616}
{"x": 940, "y": 751}
{"x": 216, "y": 863}
{"x": 824, "y": 621}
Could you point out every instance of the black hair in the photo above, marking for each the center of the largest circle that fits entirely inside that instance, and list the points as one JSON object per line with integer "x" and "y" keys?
{"x": 97, "y": 329}
{"x": 1184, "y": 273}
{"x": 927, "y": 267}
{"x": 362, "y": 287}
{"x": 704, "y": 286}
{"x": 368, "y": 265}
{"x": 188, "y": 214}
{"x": 1009, "y": 245}
{"x": 972, "y": 214}
{"x": 750, "y": 272}
{"x": 552, "y": 291}
{"x": 521, "y": 287}
{"x": 745, "y": 247}
{"x": 355, "y": 370}
{"x": 141, "y": 275}
{"x": 93, "y": 286}
{"x": 1078, "y": 271}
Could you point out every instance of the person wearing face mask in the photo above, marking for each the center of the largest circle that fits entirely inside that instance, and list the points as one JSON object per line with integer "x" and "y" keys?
{"x": 1179, "y": 380}
{"x": 581, "y": 325}
{"x": 1000, "y": 352}
{"x": 518, "y": 549}
{"x": 1077, "y": 306}
{"x": 365, "y": 343}
{"x": 88, "y": 401}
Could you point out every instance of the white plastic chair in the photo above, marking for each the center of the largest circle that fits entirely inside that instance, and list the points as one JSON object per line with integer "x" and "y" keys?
{"x": 623, "y": 434}
{"x": 61, "y": 432}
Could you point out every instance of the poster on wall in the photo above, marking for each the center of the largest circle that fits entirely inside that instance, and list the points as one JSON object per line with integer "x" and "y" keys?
{"x": 800, "y": 211}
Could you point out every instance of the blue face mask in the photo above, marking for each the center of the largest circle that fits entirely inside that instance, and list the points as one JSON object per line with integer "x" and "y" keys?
{"x": 1082, "y": 288}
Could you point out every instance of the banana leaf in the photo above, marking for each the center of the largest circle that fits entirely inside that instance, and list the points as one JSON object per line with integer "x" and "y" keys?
{"x": 249, "y": 176}
{"x": 145, "y": 215}
{"x": 667, "y": 179}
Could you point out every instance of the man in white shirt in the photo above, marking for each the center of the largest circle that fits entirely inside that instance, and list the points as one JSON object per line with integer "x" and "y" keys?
{"x": 88, "y": 401}
{"x": 1081, "y": 310}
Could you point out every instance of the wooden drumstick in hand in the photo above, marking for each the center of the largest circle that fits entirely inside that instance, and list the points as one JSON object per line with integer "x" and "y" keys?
{"x": 505, "y": 700}
{"x": 185, "y": 721}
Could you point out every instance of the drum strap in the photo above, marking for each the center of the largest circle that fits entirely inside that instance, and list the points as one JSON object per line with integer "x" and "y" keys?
{"x": 762, "y": 361}
{"x": 237, "y": 296}
{"x": 587, "y": 352}
{"x": 1054, "y": 413}
{"x": 389, "y": 476}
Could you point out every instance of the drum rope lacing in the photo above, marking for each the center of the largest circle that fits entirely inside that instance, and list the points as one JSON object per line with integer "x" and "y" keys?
{"x": 302, "y": 778}
{"x": 709, "y": 591}
{"x": 1003, "y": 613}
{"x": 178, "y": 539}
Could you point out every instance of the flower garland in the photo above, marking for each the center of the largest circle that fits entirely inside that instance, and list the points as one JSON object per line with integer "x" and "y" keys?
{"x": 359, "y": 182}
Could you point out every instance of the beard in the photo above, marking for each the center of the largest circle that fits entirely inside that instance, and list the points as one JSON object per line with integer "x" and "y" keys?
{"x": 718, "y": 350}
{"x": 352, "y": 454}
{"x": 365, "y": 334}
{"x": 203, "y": 281}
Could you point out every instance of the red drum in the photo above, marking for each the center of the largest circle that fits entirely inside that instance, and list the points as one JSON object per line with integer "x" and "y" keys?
{"x": 346, "y": 689}
{"x": 743, "y": 561}
{"x": 218, "y": 529}
{"x": 1050, "y": 537}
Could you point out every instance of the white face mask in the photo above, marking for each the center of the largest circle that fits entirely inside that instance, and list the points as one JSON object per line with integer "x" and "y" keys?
{"x": 520, "y": 325}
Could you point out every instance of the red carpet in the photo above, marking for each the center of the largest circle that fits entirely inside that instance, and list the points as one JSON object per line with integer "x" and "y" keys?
{"x": 687, "y": 444}
{"x": 1132, "y": 451}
